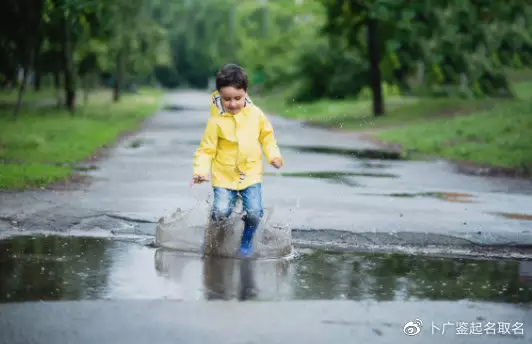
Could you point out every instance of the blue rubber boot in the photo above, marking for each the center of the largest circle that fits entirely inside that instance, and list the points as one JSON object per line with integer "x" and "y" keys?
{"x": 246, "y": 246}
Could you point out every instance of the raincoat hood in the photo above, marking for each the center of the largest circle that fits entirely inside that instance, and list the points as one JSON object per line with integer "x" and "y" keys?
{"x": 217, "y": 108}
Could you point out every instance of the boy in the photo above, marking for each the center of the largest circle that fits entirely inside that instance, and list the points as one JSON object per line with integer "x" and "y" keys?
{"x": 231, "y": 150}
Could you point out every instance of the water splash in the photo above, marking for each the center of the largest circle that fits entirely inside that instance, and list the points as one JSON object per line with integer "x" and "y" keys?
{"x": 192, "y": 231}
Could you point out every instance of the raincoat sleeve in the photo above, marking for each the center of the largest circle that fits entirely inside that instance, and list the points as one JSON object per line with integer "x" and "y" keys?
{"x": 206, "y": 150}
{"x": 267, "y": 139}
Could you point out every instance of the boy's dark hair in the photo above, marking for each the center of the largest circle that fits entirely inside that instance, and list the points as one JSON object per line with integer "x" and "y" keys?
{"x": 232, "y": 75}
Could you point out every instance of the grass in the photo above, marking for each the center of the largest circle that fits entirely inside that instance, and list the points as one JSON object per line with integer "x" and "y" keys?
{"x": 501, "y": 136}
{"x": 41, "y": 146}
{"x": 489, "y": 131}
{"x": 20, "y": 176}
{"x": 11, "y": 96}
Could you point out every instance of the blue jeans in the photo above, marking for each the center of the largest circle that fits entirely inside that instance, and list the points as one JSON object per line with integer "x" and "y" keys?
{"x": 225, "y": 199}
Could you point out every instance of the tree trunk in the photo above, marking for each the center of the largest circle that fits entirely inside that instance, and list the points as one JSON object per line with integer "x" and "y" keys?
{"x": 374, "y": 60}
{"x": 57, "y": 84}
{"x": 21, "y": 92}
{"x": 86, "y": 89}
{"x": 37, "y": 84}
{"x": 70, "y": 95}
{"x": 28, "y": 63}
{"x": 118, "y": 76}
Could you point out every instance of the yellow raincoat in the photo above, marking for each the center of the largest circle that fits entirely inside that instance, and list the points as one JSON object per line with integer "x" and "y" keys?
{"x": 230, "y": 148}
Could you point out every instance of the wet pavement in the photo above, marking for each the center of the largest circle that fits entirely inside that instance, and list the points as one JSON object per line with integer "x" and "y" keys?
{"x": 368, "y": 225}
{"x": 333, "y": 296}
{"x": 334, "y": 184}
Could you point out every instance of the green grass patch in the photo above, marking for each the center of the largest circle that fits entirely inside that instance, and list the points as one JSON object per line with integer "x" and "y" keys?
{"x": 495, "y": 132}
{"x": 45, "y": 137}
{"x": 353, "y": 114}
{"x": 501, "y": 136}
{"x": 30, "y": 95}
{"x": 19, "y": 176}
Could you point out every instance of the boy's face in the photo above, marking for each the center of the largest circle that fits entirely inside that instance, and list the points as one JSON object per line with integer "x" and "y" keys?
{"x": 233, "y": 99}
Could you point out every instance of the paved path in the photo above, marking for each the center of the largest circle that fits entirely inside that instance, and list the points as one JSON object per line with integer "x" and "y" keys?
{"x": 383, "y": 202}
{"x": 163, "y": 321}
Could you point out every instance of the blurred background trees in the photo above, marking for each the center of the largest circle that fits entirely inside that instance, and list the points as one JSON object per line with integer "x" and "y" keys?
{"x": 310, "y": 48}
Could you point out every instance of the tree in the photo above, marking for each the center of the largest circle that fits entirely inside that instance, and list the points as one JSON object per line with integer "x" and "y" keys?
{"x": 20, "y": 41}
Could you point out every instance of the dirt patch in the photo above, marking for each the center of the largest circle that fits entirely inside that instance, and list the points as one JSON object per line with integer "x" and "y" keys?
{"x": 463, "y": 109}
{"x": 368, "y": 135}
{"x": 478, "y": 169}
{"x": 75, "y": 181}
{"x": 455, "y": 197}
{"x": 514, "y": 216}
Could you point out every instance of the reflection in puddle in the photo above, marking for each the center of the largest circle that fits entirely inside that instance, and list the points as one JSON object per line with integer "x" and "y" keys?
{"x": 74, "y": 268}
{"x": 355, "y": 153}
{"x": 227, "y": 278}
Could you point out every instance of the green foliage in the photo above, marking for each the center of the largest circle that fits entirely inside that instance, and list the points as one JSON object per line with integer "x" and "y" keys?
{"x": 463, "y": 45}
{"x": 207, "y": 34}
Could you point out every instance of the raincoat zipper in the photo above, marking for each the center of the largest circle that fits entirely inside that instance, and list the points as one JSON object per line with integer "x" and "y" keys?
{"x": 241, "y": 174}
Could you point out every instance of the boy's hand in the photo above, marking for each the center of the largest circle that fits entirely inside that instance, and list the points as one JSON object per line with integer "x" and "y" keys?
{"x": 277, "y": 163}
{"x": 197, "y": 179}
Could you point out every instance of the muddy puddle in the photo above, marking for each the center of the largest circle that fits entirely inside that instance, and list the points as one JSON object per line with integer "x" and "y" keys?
{"x": 446, "y": 196}
{"x": 74, "y": 268}
{"x": 514, "y": 216}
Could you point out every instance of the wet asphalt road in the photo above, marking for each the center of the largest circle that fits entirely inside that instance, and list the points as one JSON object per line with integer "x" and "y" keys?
{"x": 162, "y": 321}
{"x": 122, "y": 291}
{"x": 373, "y": 203}
{"x": 377, "y": 202}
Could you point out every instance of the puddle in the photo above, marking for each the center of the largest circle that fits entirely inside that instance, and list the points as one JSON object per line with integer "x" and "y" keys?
{"x": 75, "y": 268}
{"x": 446, "y": 196}
{"x": 330, "y": 174}
{"x": 139, "y": 143}
{"x": 371, "y": 164}
{"x": 335, "y": 177}
{"x": 85, "y": 168}
{"x": 515, "y": 216}
{"x": 171, "y": 107}
{"x": 355, "y": 153}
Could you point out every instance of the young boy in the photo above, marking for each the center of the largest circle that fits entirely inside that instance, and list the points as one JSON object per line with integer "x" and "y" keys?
{"x": 231, "y": 151}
